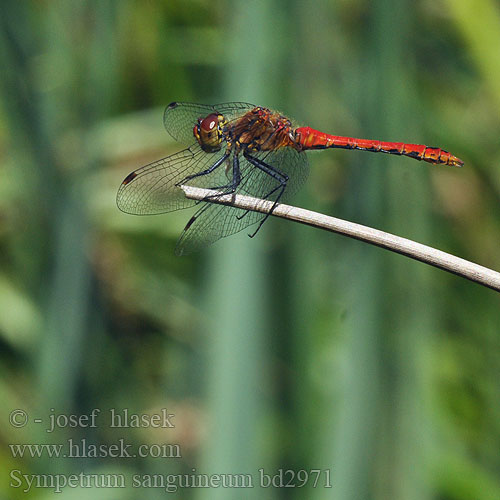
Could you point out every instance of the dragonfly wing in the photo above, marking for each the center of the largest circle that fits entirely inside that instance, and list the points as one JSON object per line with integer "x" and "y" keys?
{"x": 286, "y": 161}
{"x": 213, "y": 221}
{"x": 180, "y": 118}
{"x": 153, "y": 189}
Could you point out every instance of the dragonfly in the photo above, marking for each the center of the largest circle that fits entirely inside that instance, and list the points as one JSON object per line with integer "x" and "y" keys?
{"x": 237, "y": 148}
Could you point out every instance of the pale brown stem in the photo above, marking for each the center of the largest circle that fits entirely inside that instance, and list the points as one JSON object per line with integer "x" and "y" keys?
{"x": 428, "y": 255}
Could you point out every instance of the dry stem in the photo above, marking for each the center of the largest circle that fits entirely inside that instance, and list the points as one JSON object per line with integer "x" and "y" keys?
{"x": 437, "y": 258}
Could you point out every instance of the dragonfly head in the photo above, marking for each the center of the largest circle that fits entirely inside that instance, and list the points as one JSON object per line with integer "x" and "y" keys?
{"x": 209, "y": 132}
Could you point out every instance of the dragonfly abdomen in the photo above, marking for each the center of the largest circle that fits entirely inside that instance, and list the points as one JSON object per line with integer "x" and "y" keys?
{"x": 308, "y": 138}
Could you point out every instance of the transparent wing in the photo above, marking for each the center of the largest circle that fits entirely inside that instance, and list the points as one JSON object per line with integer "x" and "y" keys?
{"x": 180, "y": 118}
{"x": 287, "y": 161}
{"x": 212, "y": 221}
{"x": 152, "y": 189}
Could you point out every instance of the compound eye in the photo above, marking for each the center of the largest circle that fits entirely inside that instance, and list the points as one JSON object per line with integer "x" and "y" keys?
{"x": 209, "y": 123}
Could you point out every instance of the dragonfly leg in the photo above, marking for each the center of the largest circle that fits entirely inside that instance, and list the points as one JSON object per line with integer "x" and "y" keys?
{"x": 209, "y": 170}
{"x": 235, "y": 181}
{"x": 280, "y": 177}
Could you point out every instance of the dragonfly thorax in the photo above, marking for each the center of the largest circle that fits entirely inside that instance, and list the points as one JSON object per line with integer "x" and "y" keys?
{"x": 263, "y": 130}
{"x": 209, "y": 132}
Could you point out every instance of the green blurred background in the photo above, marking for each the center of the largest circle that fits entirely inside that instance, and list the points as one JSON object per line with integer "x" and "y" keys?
{"x": 295, "y": 350}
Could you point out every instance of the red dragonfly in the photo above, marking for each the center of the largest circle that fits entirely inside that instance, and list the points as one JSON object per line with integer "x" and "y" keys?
{"x": 237, "y": 148}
